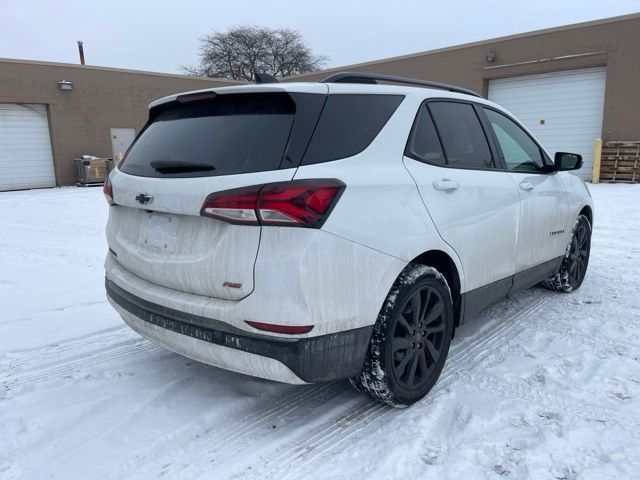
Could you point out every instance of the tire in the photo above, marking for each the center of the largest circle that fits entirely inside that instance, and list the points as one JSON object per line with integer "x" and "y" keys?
{"x": 407, "y": 352}
{"x": 576, "y": 259}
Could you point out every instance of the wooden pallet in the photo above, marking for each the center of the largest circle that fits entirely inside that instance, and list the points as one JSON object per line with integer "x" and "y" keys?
{"x": 620, "y": 162}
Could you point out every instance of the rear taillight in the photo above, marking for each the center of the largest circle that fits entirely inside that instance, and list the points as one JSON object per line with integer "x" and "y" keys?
{"x": 298, "y": 203}
{"x": 108, "y": 191}
{"x": 233, "y": 206}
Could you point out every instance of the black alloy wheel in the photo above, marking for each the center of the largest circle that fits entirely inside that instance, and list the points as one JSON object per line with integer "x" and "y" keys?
{"x": 410, "y": 340}
{"x": 579, "y": 254}
{"x": 576, "y": 260}
{"x": 418, "y": 337}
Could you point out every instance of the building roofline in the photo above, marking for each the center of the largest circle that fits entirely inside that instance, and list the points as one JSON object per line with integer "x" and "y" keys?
{"x": 113, "y": 69}
{"x": 533, "y": 33}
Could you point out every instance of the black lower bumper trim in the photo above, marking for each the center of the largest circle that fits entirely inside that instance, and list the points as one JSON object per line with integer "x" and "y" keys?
{"x": 314, "y": 359}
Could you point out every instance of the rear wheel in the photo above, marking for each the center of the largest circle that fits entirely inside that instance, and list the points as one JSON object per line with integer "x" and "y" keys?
{"x": 411, "y": 339}
{"x": 576, "y": 260}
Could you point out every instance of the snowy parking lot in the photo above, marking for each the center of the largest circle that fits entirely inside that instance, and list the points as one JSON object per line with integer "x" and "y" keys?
{"x": 544, "y": 386}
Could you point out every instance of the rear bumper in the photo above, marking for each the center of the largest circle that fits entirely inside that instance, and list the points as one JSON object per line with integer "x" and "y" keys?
{"x": 291, "y": 360}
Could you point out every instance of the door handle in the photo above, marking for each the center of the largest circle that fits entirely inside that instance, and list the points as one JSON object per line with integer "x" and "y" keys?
{"x": 527, "y": 186}
{"x": 445, "y": 185}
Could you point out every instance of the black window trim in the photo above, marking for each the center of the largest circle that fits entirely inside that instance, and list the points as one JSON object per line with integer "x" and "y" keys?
{"x": 407, "y": 149}
{"x": 543, "y": 154}
{"x": 499, "y": 165}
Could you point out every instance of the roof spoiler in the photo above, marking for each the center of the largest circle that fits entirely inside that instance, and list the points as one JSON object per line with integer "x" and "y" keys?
{"x": 373, "y": 78}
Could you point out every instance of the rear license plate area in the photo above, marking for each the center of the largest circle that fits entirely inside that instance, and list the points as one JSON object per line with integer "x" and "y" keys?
{"x": 159, "y": 232}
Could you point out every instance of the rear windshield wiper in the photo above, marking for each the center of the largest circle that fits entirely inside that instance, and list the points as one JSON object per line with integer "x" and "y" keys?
{"x": 176, "y": 166}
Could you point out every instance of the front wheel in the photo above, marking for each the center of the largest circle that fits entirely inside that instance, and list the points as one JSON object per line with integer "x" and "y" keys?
{"x": 410, "y": 340}
{"x": 576, "y": 259}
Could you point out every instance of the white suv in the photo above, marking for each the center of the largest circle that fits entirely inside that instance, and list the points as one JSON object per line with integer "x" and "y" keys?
{"x": 305, "y": 232}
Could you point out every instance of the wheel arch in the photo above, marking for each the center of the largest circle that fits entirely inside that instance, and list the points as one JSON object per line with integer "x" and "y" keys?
{"x": 587, "y": 212}
{"x": 442, "y": 262}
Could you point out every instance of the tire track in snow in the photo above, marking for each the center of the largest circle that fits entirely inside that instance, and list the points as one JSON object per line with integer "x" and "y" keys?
{"x": 67, "y": 367}
{"x": 310, "y": 444}
{"x": 526, "y": 393}
{"x": 255, "y": 423}
{"x": 467, "y": 355}
{"x": 227, "y": 445}
{"x": 630, "y": 349}
{"x": 33, "y": 358}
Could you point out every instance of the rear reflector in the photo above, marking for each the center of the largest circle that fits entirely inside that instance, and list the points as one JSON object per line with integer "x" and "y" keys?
{"x": 288, "y": 329}
{"x": 298, "y": 203}
{"x": 107, "y": 189}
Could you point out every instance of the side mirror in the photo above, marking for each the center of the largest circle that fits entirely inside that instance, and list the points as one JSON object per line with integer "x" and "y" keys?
{"x": 567, "y": 161}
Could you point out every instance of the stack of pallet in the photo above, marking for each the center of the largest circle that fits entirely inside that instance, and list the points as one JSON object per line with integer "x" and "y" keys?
{"x": 620, "y": 162}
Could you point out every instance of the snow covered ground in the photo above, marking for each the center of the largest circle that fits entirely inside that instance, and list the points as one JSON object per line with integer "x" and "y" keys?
{"x": 544, "y": 386}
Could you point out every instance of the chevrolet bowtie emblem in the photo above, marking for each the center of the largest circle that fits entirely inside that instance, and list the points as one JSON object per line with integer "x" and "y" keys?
{"x": 144, "y": 199}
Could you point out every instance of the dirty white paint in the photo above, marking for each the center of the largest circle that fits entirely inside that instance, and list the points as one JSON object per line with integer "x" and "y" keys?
{"x": 296, "y": 284}
{"x": 305, "y": 275}
{"x": 202, "y": 253}
{"x": 196, "y": 255}
{"x": 479, "y": 220}
{"x": 543, "y": 210}
{"x": 381, "y": 206}
{"x": 211, "y": 354}
{"x": 485, "y": 226}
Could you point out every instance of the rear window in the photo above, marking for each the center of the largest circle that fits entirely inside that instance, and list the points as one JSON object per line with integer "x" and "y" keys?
{"x": 231, "y": 134}
{"x": 348, "y": 124}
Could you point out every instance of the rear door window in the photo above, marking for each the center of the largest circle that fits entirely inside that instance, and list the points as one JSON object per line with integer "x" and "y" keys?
{"x": 230, "y": 134}
{"x": 348, "y": 124}
{"x": 463, "y": 140}
{"x": 424, "y": 144}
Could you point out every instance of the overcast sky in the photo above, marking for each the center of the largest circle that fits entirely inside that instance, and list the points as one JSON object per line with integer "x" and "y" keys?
{"x": 160, "y": 36}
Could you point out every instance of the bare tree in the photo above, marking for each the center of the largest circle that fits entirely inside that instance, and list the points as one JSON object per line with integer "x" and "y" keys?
{"x": 244, "y": 50}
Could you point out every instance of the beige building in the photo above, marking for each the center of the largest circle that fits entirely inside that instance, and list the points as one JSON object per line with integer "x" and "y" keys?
{"x": 51, "y": 113}
{"x": 570, "y": 85}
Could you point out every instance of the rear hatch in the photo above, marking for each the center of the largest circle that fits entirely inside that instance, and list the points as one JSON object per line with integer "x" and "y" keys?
{"x": 193, "y": 146}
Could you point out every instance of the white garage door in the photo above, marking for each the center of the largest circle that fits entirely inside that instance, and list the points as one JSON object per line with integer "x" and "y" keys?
{"x": 25, "y": 147}
{"x": 562, "y": 109}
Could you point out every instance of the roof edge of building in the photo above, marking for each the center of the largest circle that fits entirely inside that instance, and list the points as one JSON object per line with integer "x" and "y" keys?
{"x": 533, "y": 33}
{"x": 115, "y": 69}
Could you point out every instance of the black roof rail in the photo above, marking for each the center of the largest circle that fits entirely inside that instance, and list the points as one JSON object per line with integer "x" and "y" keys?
{"x": 358, "y": 77}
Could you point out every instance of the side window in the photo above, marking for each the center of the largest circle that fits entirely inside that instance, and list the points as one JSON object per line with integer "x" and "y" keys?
{"x": 520, "y": 152}
{"x": 463, "y": 140}
{"x": 424, "y": 143}
{"x": 348, "y": 124}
